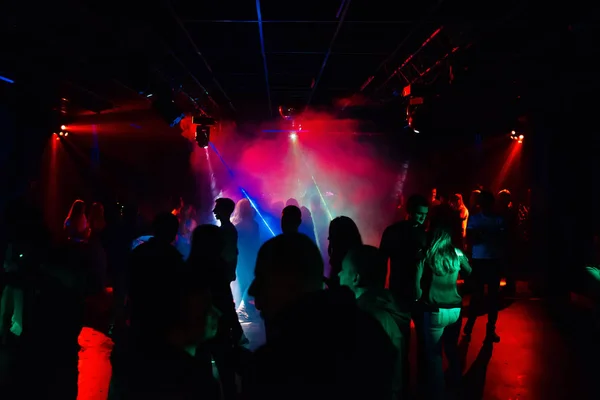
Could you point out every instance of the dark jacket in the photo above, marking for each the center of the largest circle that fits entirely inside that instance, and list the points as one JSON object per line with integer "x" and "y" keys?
{"x": 164, "y": 373}
{"x": 380, "y": 304}
{"x": 323, "y": 347}
{"x": 403, "y": 244}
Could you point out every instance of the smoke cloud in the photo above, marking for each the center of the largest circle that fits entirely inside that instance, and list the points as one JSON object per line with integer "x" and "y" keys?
{"x": 315, "y": 158}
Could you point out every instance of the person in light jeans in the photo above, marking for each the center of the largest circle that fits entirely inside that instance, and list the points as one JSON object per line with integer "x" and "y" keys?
{"x": 438, "y": 317}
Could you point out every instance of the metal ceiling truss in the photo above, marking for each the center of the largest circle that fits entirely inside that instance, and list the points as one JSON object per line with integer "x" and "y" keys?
{"x": 432, "y": 53}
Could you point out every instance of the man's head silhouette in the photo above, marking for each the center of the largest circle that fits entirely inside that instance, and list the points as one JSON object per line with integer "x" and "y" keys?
{"x": 288, "y": 267}
{"x": 165, "y": 227}
{"x": 291, "y": 218}
{"x": 486, "y": 201}
{"x": 224, "y": 207}
{"x": 363, "y": 268}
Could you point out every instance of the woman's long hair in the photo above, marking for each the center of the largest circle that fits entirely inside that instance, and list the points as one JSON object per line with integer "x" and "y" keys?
{"x": 76, "y": 218}
{"x": 243, "y": 211}
{"x": 77, "y": 210}
{"x": 441, "y": 256}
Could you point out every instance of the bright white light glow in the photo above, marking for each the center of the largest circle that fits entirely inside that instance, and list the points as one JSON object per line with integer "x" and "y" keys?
{"x": 293, "y": 136}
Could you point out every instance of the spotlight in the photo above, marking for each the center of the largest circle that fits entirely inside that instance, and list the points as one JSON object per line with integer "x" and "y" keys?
{"x": 61, "y": 133}
{"x": 293, "y": 136}
{"x": 63, "y": 127}
{"x": 518, "y": 138}
{"x": 203, "y": 135}
{"x": 66, "y": 134}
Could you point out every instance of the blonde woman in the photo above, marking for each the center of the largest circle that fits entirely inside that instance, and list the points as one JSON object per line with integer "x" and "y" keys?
{"x": 439, "y": 305}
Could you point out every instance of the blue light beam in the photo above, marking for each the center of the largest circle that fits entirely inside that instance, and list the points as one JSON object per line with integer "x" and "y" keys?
{"x": 246, "y": 195}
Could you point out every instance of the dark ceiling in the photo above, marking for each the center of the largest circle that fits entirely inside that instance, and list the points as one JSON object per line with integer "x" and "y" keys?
{"x": 243, "y": 59}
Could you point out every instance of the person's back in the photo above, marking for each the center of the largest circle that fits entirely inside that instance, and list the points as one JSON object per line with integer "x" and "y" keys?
{"x": 149, "y": 262}
{"x": 486, "y": 234}
{"x": 319, "y": 343}
{"x": 248, "y": 239}
{"x": 157, "y": 359}
{"x": 364, "y": 271}
{"x": 402, "y": 242}
{"x": 441, "y": 291}
{"x": 164, "y": 373}
{"x": 291, "y": 219}
{"x": 439, "y": 310}
{"x": 347, "y": 356}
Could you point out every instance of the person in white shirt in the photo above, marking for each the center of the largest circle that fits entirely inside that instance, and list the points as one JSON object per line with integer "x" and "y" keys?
{"x": 486, "y": 236}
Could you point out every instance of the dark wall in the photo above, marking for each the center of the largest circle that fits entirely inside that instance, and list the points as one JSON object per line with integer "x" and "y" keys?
{"x": 567, "y": 188}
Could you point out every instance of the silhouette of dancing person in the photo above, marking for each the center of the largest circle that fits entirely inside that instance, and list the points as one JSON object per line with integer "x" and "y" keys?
{"x": 223, "y": 210}
{"x": 486, "y": 234}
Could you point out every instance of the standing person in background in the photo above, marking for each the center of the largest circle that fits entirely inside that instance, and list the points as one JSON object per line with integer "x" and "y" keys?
{"x": 248, "y": 245}
{"x": 76, "y": 225}
{"x": 486, "y": 234}
{"x": 434, "y": 201}
{"x": 321, "y": 226}
{"x": 474, "y": 201}
{"x": 223, "y": 210}
{"x": 403, "y": 244}
{"x": 463, "y": 215}
{"x": 364, "y": 271}
{"x": 187, "y": 224}
{"x": 343, "y": 237}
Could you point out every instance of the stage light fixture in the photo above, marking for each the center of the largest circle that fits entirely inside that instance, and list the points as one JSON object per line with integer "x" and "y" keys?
{"x": 61, "y": 133}
{"x": 63, "y": 127}
{"x": 515, "y": 136}
{"x": 66, "y": 134}
{"x": 287, "y": 113}
{"x": 203, "y": 136}
{"x": 293, "y": 136}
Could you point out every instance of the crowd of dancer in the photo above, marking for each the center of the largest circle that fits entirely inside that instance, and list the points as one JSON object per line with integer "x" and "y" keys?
{"x": 339, "y": 332}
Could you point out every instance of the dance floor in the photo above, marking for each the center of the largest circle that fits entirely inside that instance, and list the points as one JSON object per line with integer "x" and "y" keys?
{"x": 540, "y": 357}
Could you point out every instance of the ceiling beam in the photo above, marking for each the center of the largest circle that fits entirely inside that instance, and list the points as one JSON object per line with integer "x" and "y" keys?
{"x": 404, "y": 41}
{"x": 197, "y": 50}
{"x": 340, "y": 53}
{"x": 264, "y": 55}
{"x": 345, "y": 6}
{"x": 239, "y": 21}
